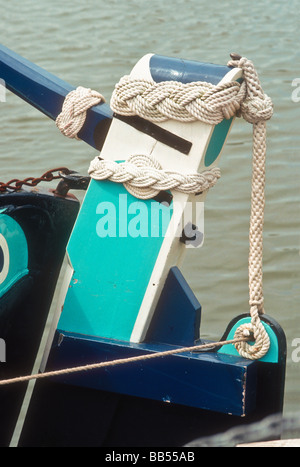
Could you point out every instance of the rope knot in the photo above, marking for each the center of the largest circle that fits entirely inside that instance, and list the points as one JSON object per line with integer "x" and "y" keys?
{"x": 256, "y": 110}
{"x": 260, "y": 336}
{"x": 256, "y": 105}
{"x": 144, "y": 164}
{"x": 75, "y": 106}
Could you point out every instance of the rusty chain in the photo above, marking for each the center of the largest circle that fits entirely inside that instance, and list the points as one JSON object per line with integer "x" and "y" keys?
{"x": 16, "y": 184}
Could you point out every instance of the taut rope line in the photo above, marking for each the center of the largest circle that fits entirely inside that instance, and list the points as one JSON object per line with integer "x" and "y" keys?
{"x": 122, "y": 361}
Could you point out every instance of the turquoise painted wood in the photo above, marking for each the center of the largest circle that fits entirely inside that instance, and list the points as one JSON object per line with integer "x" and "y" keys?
{"x": 272, "y": 356}
{"x": 113, "y": 255}
{"x": 13, "y": 253}
{"x": 217, "y": 142}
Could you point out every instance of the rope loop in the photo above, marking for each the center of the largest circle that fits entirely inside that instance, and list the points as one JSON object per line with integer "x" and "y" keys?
{"x": 260, "y": 336}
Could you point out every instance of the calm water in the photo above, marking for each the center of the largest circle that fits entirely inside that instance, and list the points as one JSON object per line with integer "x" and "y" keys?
{"x": 94, "y": 43}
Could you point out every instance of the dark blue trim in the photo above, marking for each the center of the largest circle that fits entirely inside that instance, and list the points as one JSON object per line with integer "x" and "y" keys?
{"x": 177, "y": 317}
{"x": 46, "y": 93}
{"x": 185, "y": 71}
{"x": 209, "y": 381}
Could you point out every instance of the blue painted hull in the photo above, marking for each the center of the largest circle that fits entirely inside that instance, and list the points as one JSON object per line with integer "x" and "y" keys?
{"x": 40, "y": 225}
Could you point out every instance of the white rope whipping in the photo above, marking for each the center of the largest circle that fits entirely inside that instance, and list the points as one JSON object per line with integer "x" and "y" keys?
{"x": 75, "y": 106}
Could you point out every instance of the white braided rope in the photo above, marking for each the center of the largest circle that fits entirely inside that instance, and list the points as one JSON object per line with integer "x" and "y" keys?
{"x": 256, "y": 109}
{"x": 144, "y": 178}
{"x": 73, "y": 114}
{"x": 191, "y": 101}
{"x": 174, "y": 100}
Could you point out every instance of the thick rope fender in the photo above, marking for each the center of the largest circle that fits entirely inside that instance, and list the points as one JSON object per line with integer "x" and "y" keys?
{"x": 144, "y": 178}
{"x": 174, "y": 100}
{"x": 73, "y": 114}
{"x": 194, "y": 101}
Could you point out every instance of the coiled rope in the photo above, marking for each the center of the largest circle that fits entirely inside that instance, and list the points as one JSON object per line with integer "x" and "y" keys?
{"x": 210, "y": 104}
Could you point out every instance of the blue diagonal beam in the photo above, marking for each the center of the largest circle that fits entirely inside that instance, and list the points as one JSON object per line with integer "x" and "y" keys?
{"x": 46, "y": 92}
{"x": 209, "y": 380}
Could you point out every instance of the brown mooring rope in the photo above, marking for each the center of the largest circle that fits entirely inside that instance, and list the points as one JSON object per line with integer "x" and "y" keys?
{"x": 122, "y": 361}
